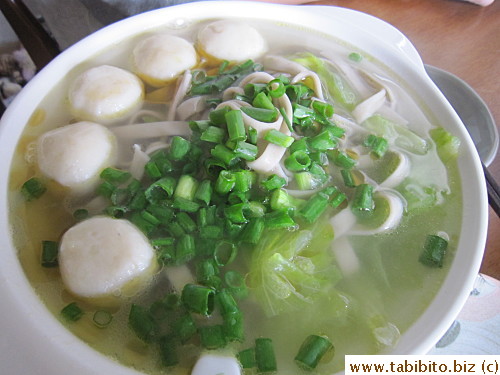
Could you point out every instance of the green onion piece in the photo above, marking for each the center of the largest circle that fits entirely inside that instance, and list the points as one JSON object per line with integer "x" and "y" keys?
{"x": 244, "y": 179}
{"x": 206, "y": 270}
{"x": 198, "y": 299}
{"x": 102, "y": 318}
{"x": 281, "y": 200}
{"x": 171, "y": 301}
{"x": 314, "y": 207}
{"x": 168, "y": 351}
{"x": 323, "y": 141}
{"x": 348, "y": 178}
{"x": 245, "y": 150}
{"x": 289, "y": 125}
{"x": 298, "y": 161}
{"x": 337, "y": 199}
{"x": 341, "y": 159}
{"x": 175, "y": 229}
{"x": 224, "y": 154}
{"x": 50, "y": 251}
{"x": 186, "y": 222}
{"x": 232, "y": 327}
{"x": 213, "y": 232}
{"x": 305, "y": 181}
{"x": 236, "y": 213}
{"x": 160, "y": 189}
{"x": 264, "y": 355}
{"x": 72, "y": 312}
{"x": 247, "y": 358}
{"x": 142, "y": 223}
{"x": 115, "y": 176}
{"x": 187, "y": 205}
{"x": 236, "y": 284}
{"x": 33, "y": 189}
{"x": 116, "y": 211}
{"x": 301, "y": 144}
{"x": 80, "y": 214}
{"x": 362, "y": 202}
{"x": 212, "y": 337}
{"x": 204, "y": 192}
{"x": 223, "y": 66}
{"x": 139, "y": 201}
{"x": 276, "y": 88}
{"x": 184, "y": 327}
{"x": 279, "y": 219}
{"x": 235, "y": 126}
{"x": 318, "y": 173}
{"x": 105, "y": 189}
{"x": 218, "y": 116}
{"x": 186, "y": 187}
{"x": 354, "y": 56}
{"x": 226, "y": 303}
{"x": 253, "y": 231}
{"x": 161, "y": 159}
{"x": 163, "y": 241}
{"x": 255, "y": 209}
{"x": 273, "y": 182}
{"x": 335, "y": 130}
{"x": 311, "y": 351}
{"x": 261, "y": 100}
{"x": 378, "y": 145}
{"x": 278, "y": 138}
{"x": 252, "y": 89}
{"x": 185, "y": 249}
{"x": 152, "y": 170}
{"x": 179, "y": 147}
{"x": 142, "y": 323}
{"x": 225, "y": 182}
{"x": 213, "y": 134}
{"x": 166, "y": 255}
{"x": 322, "y": 108}
{"x": 261, "y": 114}
{"x": 225, "y": 252}
{"x": 252, "y": 135}
{"x": 434, "y": 251}
{"x": 162, "y": 213}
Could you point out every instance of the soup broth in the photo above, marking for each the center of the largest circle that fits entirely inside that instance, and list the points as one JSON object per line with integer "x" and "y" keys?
{"x": 348, "y": 273}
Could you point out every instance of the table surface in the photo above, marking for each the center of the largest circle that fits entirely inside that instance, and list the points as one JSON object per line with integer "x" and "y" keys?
{"x": 463, "y": 39}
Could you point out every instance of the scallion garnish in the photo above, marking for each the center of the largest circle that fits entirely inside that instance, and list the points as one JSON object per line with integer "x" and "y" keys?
{"x": 264, "y": 355}
{"x": 312, "y": 350}
{"x": 33, "y": 189}
{"x": 50, "y": 252}
{"x": 72, "y": 312}
{"x": 434, "y": 251}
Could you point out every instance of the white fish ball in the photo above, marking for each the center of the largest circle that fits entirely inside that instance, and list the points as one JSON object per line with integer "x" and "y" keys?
{"x": 105, "y": 257}
{"x": 105, "y": 94}
{"x": 161, "y": 58}
{"x": 232, "y": 41}
{"x": 75, "y": 154}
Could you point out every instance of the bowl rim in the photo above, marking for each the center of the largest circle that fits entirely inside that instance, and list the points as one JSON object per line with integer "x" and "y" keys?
{"x": 407, "y": 62}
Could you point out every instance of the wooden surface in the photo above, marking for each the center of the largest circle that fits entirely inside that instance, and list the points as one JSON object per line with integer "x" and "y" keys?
{"x": 464, "y": 39}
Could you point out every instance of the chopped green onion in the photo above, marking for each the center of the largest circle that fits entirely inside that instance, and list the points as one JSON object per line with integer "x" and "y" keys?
{"x": 232, "y": 327}
{"x": 378, "y": 145}
{"x": 114, "y": 176}
{"x": 186, "y": 187}
{"x": 224, "y": 154}
{"x": 212, "y": 337}
{"x": 179, "y": 147}
{"x": 314, "y": 207}
{"x": 261, "y": 114}
{"x": 184, "y": 327}
{"x": 252, "y": 135}
{"x": 247, "y": 358}
{"x": 213, "y": 232}
{"x": 273, "y": 182}
{"x": 185, "y": 249}
{"x": 322, "y": 108}
{"x": 225, "y": 252}
{"x": 305, "y": 180}
{"x": 300, "y": 144}
{"x": 198, "y": 299}
{"x": 244, "y": 180}
{"x": 281, "y": 200}
{"x": 186, "y": 222}
{"x": 225, "y": 182}
{"x": 362, "y": 202}
{"x": 348, "y": 178}
{"x": 213, "y": 134}
{"x": 218, "y": 116}
{"x": 160, "y": 189}
{"x": 204, "y": 191}
{"x": 50, "y": 251}
{"x": 253, "y": 231}
{"x": 337, "y": 199}
{"x": 354, "y": 56}
{"x": 102, "y": 318}
{"x": 236, "y": 284}
{"x": 33, "y": 189}
{"x": 323, "y": 141}
{"x": 278, "y": 138}
{"x": 341, "y": 159}
{"x": 264, "y": 355}
{"x": 279, "y": 219}
{"x": 312, "y": 351}
{"x": 276, "y": 88}
{"x": 206, "y": 270}
{"x": 168, "y": 351}
{"x": 235, "y": 126}
{"x": 261, "y": 100}
{"x": 163, "y": 241}
{"x": 245, "y": 150}
{"x": 187, "y": 205}
{"x": 434, "y": 251}
{"x": 72, "y": 312}
{"x": 298, "y": 161}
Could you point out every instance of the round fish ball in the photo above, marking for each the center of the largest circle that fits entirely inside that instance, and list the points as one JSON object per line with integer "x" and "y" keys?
{"x": 161, "y": 58}
{"x": 232, "y": 41}
{"x": 74, "y": 155}
{"x": 105, "y": 257}
{"x": 105, "y": 94}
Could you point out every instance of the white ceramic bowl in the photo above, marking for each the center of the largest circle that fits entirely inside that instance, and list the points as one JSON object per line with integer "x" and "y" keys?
{"x": 34, "y": 342}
